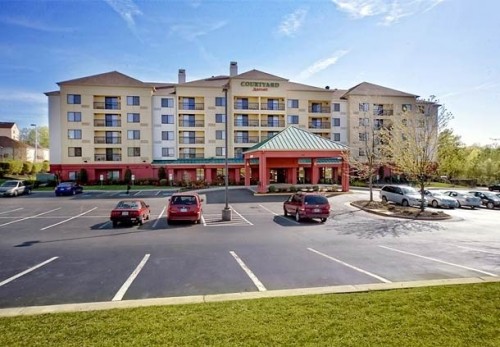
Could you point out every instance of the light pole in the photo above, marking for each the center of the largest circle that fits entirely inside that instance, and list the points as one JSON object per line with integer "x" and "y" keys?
{"x": 226, "y": 212}
{"x": 36, "y": 142}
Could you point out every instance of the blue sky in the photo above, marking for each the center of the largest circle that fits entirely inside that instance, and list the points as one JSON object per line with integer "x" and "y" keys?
{"x": 446, "y": 48}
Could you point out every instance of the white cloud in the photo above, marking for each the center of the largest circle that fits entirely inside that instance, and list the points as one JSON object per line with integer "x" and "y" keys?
{"x": 292, "y": 22}
{"x": 389, "y": 11}
{"x": 191, "y": 32}
{"x": 34, "y": 24}
{"x": 127, "y": 9}
{"x": 322, "y": 64}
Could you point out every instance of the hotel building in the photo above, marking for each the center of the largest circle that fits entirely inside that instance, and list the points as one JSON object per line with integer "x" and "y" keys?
{"x": 111, "y": 122}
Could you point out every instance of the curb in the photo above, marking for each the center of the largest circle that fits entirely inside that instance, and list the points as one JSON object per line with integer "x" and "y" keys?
{"x": 389, "y": 214}
{"x": 212, "y": 298}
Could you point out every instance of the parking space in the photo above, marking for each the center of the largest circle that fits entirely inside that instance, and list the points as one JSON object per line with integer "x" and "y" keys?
{"x": 63, "y": 250}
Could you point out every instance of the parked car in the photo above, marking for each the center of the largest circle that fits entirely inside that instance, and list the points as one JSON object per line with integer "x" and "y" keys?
{"x": 15, "y": 188}
{"x": 68, "y": 188}
{"x": 403, "y": 195}
{"x": 490, "y": 200}
{"x": 307, "y": 205}
{"x": 437, "y": 199}
{"x": 494, "y": 187}
{"x": 464, "y": 199}
{"x": 184, "y": 207}
{"x": 130, "y": 211}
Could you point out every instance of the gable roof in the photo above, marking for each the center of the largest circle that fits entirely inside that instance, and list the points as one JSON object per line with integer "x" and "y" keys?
{"x": 108, "y": 79}
{"x": 366, "y": 88}
{"x": 295, "y": 139}
{"x": 258, "y": 75}
{"x": 7, "y": 125}
{"x": 214, "y": 81}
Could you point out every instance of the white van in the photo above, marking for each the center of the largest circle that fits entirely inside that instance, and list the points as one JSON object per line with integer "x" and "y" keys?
{"x": 403, "y": 195}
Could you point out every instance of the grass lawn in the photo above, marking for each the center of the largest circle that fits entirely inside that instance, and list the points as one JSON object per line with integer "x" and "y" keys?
{"x": 460, "y": 315}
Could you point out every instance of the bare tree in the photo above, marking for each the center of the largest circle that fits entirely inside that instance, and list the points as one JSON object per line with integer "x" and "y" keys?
{"x": 411, "y": 141}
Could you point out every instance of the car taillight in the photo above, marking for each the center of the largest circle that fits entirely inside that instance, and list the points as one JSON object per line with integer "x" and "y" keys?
{"x": 134, "y": 213}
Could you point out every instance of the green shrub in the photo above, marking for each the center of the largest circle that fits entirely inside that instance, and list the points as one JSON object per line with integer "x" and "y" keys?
{"x": 272, "y": 189}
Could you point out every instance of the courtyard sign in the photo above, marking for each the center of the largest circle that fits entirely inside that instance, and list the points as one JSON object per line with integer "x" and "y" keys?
{"x": 260, "y": 86}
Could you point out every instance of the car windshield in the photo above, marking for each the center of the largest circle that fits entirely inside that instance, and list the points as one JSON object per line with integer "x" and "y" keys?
{"x": 183, "y": 200}
{"x": 409, "y": 190}
{"x": 9, "y": 184}
{"x": 65, "y": 184}
{"x": 491, "y": 195}
{"x": 315, "y": 199}
{"x": 127, "y": 204}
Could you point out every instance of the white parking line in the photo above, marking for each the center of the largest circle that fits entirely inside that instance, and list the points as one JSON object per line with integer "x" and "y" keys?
{"x": 37, "y": 215}
{"x": 139, "y": 192}
{"x": 121, "y": 292}
{"x": 439, "y": 261}
{"x": 246, "y": 220}
{"x": 380, "y": 278}
{"x": 203, "y": 221}
{"x": 27, "y": 271}
{"x": 478, "y": 250}
{"x": 67, "y": 220}
{"x": 268, "y": 210}
{"x": 17, "y": 209}
{"x": 249, "y": 272}
{"x": 158, "y": 193}
{"x": 159, "y": 217}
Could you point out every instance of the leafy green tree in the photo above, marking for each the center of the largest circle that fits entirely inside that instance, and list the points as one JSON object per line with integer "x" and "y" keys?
{"x": 29, "y": 136}
{"x": 451, "y": 154}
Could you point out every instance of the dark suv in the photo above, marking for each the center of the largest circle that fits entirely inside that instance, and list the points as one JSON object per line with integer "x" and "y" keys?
{"x": 307, "y": 205}
{"x": 490, "y": 200}
{"x": 494, "y": 187}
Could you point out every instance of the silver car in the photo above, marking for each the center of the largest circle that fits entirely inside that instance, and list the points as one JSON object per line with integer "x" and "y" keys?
{"x": 438, "y": 199}
{"x": 403, "y": 195}
{"x": 464, "y": 199}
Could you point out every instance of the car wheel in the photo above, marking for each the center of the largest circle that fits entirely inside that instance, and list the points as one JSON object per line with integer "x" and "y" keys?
{"x": 140, "y": 221}
{"x": 405, "y": 203}
{"x": 459, "y": 204}
{"x": 473, "y": 207}
{"x": 297, "y": 216}
{"x": 490, "y": 205}
{"x": 384, "y": 199}
{"x": 115, "y": 224}
{"x": 285, "y": 213}
{"x": 323, "y": 220}
{"x": 435, "y": 203}
{"x": 15, "y": 193}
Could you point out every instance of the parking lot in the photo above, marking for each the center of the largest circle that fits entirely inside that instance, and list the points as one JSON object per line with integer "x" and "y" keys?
{"x": 56, "y": 250}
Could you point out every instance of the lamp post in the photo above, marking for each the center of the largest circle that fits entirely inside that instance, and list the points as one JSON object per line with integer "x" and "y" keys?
{"x": 36, "y": 143}
{"x": 226, "y": 212}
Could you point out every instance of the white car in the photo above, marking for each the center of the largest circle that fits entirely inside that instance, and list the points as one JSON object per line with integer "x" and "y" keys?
{"x": 464, "y": 199}
{"x": 14, "y": 188}
{"x": 438, "y": 199}
{"x": 403, "y": 195}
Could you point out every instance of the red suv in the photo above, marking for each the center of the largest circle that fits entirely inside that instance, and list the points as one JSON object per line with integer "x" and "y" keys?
{"x": 184, "y": 207}
{"x": 303, "y": 205}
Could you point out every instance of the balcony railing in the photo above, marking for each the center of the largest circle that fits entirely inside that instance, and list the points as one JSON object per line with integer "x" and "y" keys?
{"x": 246, "y": 139}
{"x": 107, "y": 105}
{"x": 193, "y": 107}
{"x": 273, "y": 106}
{"x": 191, "y": 155}
{"x": 243, "y": 105}
{"x": 108, "y": 157}
{"x": 272, "y": 123}
{"x": 192, "y": 140}
{"x": 383, "y": 112}
{"x": 246, "y": 123}
{"x": 107, "y": 123}
{"x": 320, "y": 125}
{"x": 191, "y": 123}
{"x": 108, "y": 139}
{"x": 319, "y": 109}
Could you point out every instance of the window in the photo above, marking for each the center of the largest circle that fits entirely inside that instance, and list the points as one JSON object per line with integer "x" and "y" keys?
{"x": 73, "y": 175}
{"x": 363, "y": 136}
{"x": 293, "y": 103}
{"x": 74, "y": 151}
{"x": 406, "y": 107}
{"x": 200, "y": 174}
{"x": 421, "y": 109}
{"x": 336, "y": 137}
{"x": 188, "y": 104}
{"x": 75, "y": 99}
{"x": 220, "y": 101}
{"x": 361, "y": 152}
{"x": 336, "y": 107}
{"x": 378, "y": 110}
{"x": 133, "y": 101}
{"x": 133, "y": 117}
{"x": 134, "y": 151}
{"x": 363, "y": 107}
{"x": 378, "y": 124}
{"x": 293, "y": 119}
{"x": 74, "y": 116}
{"x": 168, "y": 152}
{"x": 112, "y": 120}
{"x": 220, "y": 134}
{"x": 364, "y": 122}
{"x": 74, "y": 134}
{"x": 167, "y": 119}
{"x": 220, "y": 151}
{"x": 336, "y": 122}
{"x": 220, "y": 118}
{"x": 167, "y": 135}
{"x": 167, "y": 102}
{"x": 238, "y": 152}
{"x": 134, "y": 134}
